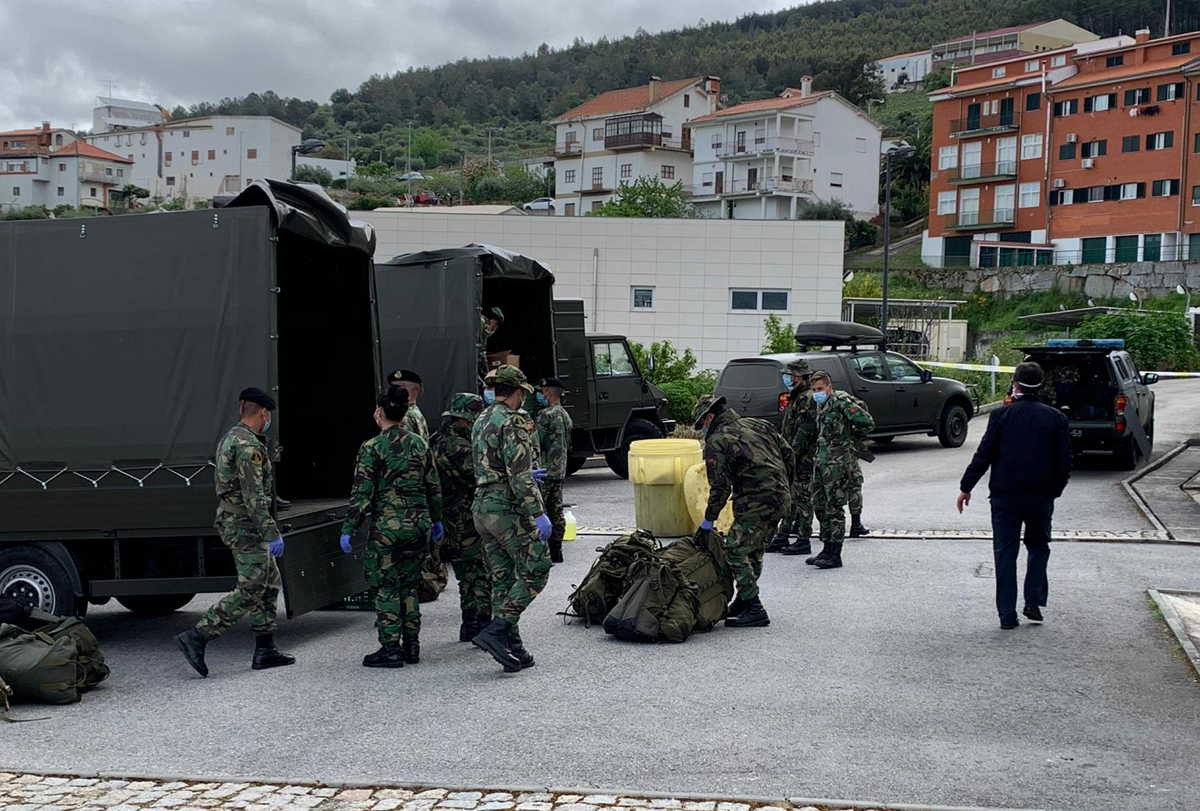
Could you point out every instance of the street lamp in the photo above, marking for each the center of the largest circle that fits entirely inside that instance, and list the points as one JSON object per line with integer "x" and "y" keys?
{"x": 897, "y": 152}
{"x": 303, "y": 148}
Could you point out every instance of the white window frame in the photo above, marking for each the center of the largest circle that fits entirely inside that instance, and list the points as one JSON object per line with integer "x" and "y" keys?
{"x": 1097, "y": 101}
{"x": 1033, "y": 65}
{"x": 1129, "y": 191}
{"x": 948, "y": 157}
{"x": 633, "y": 291}
{"x": 1029, "y": 195}
{"x": 758, "y": 295}
{"x": 1159, "y": 143}
{"x": 837, "y": 180}
{"x": 1095, "y": 194}
{"x": 947, "y": 202}
{"x": 1058, "y": 60}
{"x": 1031, "y": 146}
{"x": 1000, "y": 72}
{"x": 706, "y": 179}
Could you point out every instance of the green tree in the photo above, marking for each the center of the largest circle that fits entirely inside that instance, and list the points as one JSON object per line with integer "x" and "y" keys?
{"x": 675, "y": 374}
{"x": 646, "y": 197}
{"x": 374, "y": 169}
{"x": 859, "y": 233}
{"x": 314, "y": 174}
{"x": 778, "y": 337}
{"x": 1158, "y": 341}
{"x": 429, "y": 144}
{"x": 521, "y": 185}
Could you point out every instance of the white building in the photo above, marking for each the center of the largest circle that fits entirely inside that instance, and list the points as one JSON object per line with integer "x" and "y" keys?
{"x": 123, "y": 114}
{"x": 762, "y": 159}
{"x": 901, "y": 71}
{"x": 49, "y": 167}
{"x": 198, "y": 158}
{"x": 625, "y": 134}
{"x": 705, "y": 285}
{"x": 337, "y": 168}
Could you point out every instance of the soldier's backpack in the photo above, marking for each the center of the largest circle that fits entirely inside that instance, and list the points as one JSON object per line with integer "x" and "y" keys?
{"x": 39, "y": 668}
{"x": 658, "y": 604}
{"x": 702, "y": 562}
{"x": 87, "y": 648}
{"x": 605, "y": 582}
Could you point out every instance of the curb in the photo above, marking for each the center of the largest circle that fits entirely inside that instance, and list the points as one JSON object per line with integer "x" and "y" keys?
{"x": 408, "y": 786}
{"x": 1136, "y": 497}
{"x": 1175, "y": 623}
{"x": 1148, "y": 537}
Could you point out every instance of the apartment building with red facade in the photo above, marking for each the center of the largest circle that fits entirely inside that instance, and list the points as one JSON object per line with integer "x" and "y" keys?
{"x": 1089, "y": 153}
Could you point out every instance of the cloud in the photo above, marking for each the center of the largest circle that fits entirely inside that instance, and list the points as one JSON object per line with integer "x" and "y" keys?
{"x": 61, "y": 55}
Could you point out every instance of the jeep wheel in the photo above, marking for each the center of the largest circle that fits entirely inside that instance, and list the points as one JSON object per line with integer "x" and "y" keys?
{"x": 952, "y": 428}
{"x": 1127, "y": 454}
{"x": 34, "y": 577}
{"x": 618, "y": 460}
{"x": 158, "y": 605}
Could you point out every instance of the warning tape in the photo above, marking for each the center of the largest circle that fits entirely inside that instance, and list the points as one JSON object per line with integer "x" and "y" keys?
{"x": 979, "y": 367}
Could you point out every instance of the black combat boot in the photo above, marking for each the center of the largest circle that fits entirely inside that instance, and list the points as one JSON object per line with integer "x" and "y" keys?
{"x": 470, "y": 625}
{"x": 752, "y": 616}
{"x": 857, "y": 530}
{"x": 411, "y": 649}
{"x": 736, "y": 607}
{"x": 494, "y": 639}
{"x": 556, "y": 550}
{"x": 819, "y": 556}
{"x": 482, "y": 621}
{"x": 389, "y": 655}
{"x": 801, "y": 546}
{"x": 518, "y": 648}
{"x": 266, "y": 655}
{"x": 780, "y": 541}
{"x": 830, "y": 557}
{"x": 192, "y": 643}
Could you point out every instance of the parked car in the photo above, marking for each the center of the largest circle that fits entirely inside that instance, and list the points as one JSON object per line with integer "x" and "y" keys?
{"x": 1107, "y": 400}
{"x": 901, "y": 396}
{"x": 540, "y": 204}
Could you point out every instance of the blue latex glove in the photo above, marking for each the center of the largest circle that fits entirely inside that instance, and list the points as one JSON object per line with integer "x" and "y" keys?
{"x": 544, "y": 526}
{"x": 345, "y": 542}
{"x": 706, "y": 525}
{"x": 439, "y": 531}
{"x": 275, "y": 547}
{"x": 539, "y": 475}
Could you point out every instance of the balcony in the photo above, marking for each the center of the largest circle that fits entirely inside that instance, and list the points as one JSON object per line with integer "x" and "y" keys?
{"x": 569, "y": 149}
{"x": 974, "y": 125}
{"x": 596, "y": 188}
{"x": 980, "y": 220}
{"x": 768, "y": 185}
{"x": 93, "y": 176}
{"x": 765, "y": 146}
{"x": 982, "y": 172}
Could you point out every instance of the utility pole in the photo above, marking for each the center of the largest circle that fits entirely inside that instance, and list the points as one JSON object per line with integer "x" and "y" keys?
{"x": 887, "y": 243}
{"x": 1167, "y": 20}
{"x": 489, "y": 146}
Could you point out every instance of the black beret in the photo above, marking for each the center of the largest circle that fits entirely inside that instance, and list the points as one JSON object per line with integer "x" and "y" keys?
{"x": 552, "y": 382}
{"x": 404, "y": 376}
{"x": 258, "y": 397}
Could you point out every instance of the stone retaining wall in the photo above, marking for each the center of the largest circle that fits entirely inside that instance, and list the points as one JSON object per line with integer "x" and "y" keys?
{"x": 1147, "y": 279}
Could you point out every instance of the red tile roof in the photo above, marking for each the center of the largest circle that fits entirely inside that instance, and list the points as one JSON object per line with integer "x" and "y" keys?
{"x": 1109, "y": 75}
{"x": 763, "y": 104}
{"x": 85, "y": 150}
{"x": 22, "y": 133}
{"x": 999, "y": 32}
{"x": 625, "y": 100}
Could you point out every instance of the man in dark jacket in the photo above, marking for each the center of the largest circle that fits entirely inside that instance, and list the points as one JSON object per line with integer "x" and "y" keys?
{"x": 1028, "y": 447}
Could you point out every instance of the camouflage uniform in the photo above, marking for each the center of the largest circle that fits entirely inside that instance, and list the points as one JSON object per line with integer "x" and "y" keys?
{"x": 396, "y": 483}
{"x": 800, "y": 435}
{"x": 554, "y": 435}
{"x": 506, "y": 503}
{"x": 745, "y": 456}
{"x": 462, "y": 545}
{"x": 414, "y": 422}
{"x": 245, "y": 493}
{"x": 843, "y": 423}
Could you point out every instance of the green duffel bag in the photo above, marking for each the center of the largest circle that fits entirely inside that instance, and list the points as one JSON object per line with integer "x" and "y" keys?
{"x": 39, "y": 668}
{"x": 607, "y": 580}
{"x": 87, "y": 647}
{"x": 703, "y": 563}
{"x": 658, "y": 605}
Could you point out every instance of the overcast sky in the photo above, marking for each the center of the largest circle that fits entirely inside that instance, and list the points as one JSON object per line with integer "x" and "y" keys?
{"x": 59, "y": 56}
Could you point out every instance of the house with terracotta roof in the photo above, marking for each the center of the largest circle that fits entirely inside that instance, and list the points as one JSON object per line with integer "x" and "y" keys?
{"x": 625, "y": 134}
{"x": 762, "y": 159}
{"x": 50, "y": 167}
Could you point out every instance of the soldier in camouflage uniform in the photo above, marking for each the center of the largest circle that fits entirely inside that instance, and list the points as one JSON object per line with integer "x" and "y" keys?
{"x": 743, "y": 456}
{"x": 490, "y": 320}
{"x": 509, "y": 516}
{"x": 462, "y": 546}
{"x": 554, "y": 437}
{"x": 245, "y": 494}
{"x": 843, "y": 423}
{"x": 396, "y": 484}
{"x": 800, "y": 437}
{"x": 855, "y": 500}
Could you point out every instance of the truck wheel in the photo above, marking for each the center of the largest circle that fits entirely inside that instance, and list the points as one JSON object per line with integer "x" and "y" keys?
{"x": 574, "y": 463}
{"x": 618, "y": 460}
{"x": 1127, "y": 455}
{"x": 158, "y": 605}
{"x": 35, "y": 577}
{"x": 952, "y": 428}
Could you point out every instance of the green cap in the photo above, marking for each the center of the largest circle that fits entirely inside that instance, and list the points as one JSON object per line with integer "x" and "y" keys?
{"x": 799, "y": 366}
{"x": 464, "y": 406}
{"x": 496, "y": 313}
{"x": 512, "y": 376}
{"x": 703, "y": 406}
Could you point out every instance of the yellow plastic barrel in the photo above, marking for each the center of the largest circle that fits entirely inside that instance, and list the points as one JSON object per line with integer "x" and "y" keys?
{"x": 657, "y": 468}
{"x": 695, "y": 489}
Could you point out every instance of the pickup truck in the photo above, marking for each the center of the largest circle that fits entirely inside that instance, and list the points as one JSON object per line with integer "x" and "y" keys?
{"x": 1107, "y": 400}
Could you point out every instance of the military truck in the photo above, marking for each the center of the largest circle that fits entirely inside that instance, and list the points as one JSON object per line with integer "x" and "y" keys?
{"x": 124, "y": 342}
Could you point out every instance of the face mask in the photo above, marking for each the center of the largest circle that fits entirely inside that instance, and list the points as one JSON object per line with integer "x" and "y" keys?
{"x": 489, "y": 396}
{"x": 541, "y": 399}
{"x": 789, "y": 381}
{"x": 267, "y": 425}
{"x": 820, "y": 397}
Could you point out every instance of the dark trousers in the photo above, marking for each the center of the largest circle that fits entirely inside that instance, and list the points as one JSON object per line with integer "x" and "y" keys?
{"x": 1009, "y": 513}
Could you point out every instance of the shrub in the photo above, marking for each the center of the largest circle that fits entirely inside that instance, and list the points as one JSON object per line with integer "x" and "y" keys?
{"x": 677, "y": 376}
{"x": 1160, "y": 341}
{"x": 314, "y": 174}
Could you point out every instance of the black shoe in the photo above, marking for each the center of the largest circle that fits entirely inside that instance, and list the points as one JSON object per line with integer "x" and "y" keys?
{"x": 494, "y": 640}
{"x": 282, "y": 504}
{"x": 779, "y": 542}
{"x": 736, "y": 607}
{"x": 266, "y": 655}
{"x": 411, "y": 650}
{"x": 1033, "y": 612}
{"x": 192, "y": 644}
{"x": 470, "y": 626}
{"x": 819, "y": 556}
{"x": 830, "y": 557}
{"x": 857, "y": 530}
{"x": 518, "y": 648}
{"x": 390, "y": 655}
{"x": 1009, "y": 623}
{"x": 802, "y": 546}
{"x": 556, "y": 551}
{"x": 752, "y": 616}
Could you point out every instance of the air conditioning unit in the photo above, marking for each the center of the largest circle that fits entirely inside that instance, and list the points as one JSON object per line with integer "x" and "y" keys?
{"x": 1059, "y": 183}
{"x": 1072, "y": 137}
{"x": 1088, "y": 163}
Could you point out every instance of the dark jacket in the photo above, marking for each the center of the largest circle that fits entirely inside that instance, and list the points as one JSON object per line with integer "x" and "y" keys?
{"x": 1028, "y": 447}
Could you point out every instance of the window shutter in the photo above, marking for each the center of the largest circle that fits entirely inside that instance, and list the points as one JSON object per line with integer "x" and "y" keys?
{"x": 1088, "y": 104}
{"x": 1169, "y": 139}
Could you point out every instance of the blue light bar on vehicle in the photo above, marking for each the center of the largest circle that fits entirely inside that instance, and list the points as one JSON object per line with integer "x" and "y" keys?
{"x": 1079, "y": 343}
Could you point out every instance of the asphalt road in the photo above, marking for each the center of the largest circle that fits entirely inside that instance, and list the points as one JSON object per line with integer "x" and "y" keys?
{"x": 913, "y": 482}
{"x": 886, "y": 680}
